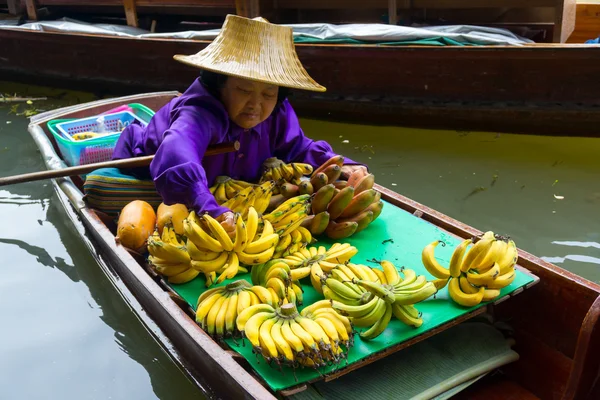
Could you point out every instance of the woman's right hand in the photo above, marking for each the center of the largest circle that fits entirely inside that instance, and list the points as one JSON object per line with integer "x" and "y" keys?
{"x": 227, "y": 221}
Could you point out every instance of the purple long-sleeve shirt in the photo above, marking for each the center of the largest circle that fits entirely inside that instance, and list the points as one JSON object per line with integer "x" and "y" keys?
{"x": 180, "y": 132}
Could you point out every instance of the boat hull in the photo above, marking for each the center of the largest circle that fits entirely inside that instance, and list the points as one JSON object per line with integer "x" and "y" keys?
{"x": 556, "y": 323}
{"x": 541, "y": 89}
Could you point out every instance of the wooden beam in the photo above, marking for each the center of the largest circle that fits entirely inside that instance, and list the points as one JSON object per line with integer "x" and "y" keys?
{"x": 13, "y": 7}
{"x": 131, "y": 13}
{"x": 31, "y": 10}
{"x": 247, "y": 8}
{"x": 392, "y": 12}
{"x": 564, "y": 20}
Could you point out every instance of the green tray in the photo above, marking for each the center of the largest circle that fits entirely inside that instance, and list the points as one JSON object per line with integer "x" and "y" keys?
{"x": 409, "y": 235}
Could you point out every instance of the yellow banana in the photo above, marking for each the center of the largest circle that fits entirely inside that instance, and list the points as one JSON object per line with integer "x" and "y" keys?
{"x": 508, "y": 260}
{"x": 212, "y": 265}
{"x": 503, "y": 280}
{"x": 244, "y": 301}
{"x": 252, "y": 327}
{"x": 303, "y": 335}
{"x": 209, "y": 324}
{"x": 402, "y": 313}
{"x": 171, "y": 270}
{"x": 168, "y": 251}
{"x": 282, "y": 345}
{"x": 232, "y": 268}
{"x": 184, "y": 277}
{"x": 267, "y": 343}
{"x": 391, "y": 273}
{"x": 462, "y": 298}
{"x": 200, "y": 255}
{"x": 251, "y": 224}
{"x": 257, "y": 258}
{"x": 431, "y": 263}
{"x": 299, "y": 273}
{"x": 219, "y": 232}
{"x": 457, "y": 257}
{"x": 199, "y": 237}
{"x": 262, "y": 244}
{"x": 263, "y": 294}
{"x": 247, "y": 313}
{"x": 484, "y": 279}
{"x": 284, "y": 242}
{"x": 306, "y": 235}
{"x": 206, "y": 304}
{"x": 476, "y": 253}
{"x": 220, "y": 320}
{"x": 291, "y": 338}
{"x": 490, "y": 294}
{"x": 496, "y": 251}
{"x": 241, "y": 237}
{"x": 314, "y": 329}
{"x": 231, "y": 313}
{"x": 466, "y": 286}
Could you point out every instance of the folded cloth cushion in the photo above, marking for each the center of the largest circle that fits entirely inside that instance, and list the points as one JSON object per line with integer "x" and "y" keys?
{"x": 109, "y": 190}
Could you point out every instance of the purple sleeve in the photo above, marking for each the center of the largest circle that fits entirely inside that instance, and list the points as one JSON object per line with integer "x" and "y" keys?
{"x": 177, "y": 166}
{"x": 292, "y": 145}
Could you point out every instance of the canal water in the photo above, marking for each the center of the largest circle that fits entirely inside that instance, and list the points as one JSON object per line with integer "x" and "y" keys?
{"x": 67, "y": 334}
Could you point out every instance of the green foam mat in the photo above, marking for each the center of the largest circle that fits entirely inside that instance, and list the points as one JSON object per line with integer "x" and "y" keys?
{"x": 397, "y": 236}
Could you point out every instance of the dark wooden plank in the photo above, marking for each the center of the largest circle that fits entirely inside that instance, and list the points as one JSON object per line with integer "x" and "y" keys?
{"x": 495, "y": 387}
{"x": 13, "y": 6}
{"x": 583, "y": 383}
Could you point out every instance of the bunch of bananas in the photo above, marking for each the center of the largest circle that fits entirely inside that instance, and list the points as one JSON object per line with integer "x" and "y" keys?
{"x": 251, "y": 196}
{"x": 287, "y": 337}
{"x": 276, "y": 170}
{"x": 354, "y": 291}
{"x": 318, "y": 262}
{"x": 225, "y": 188}
{"x": 341, "y": 208}
{"x": 212, "y": 250}
{"x": 476, "y": 274}
{"x": 298, "y": 239}
{"x": 218, "y": 308}
{"x": 169, "y": 256}
{"x": 289, "y": 215}
{"x": 279, "y": 279}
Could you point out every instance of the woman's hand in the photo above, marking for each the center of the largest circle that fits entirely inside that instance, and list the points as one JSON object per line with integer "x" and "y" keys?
{"x": 227, "y": 221}
{"x": 348, "y": 170}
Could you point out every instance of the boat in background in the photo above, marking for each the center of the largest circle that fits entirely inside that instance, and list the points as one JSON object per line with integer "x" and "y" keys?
{"x": 556, "y": 323}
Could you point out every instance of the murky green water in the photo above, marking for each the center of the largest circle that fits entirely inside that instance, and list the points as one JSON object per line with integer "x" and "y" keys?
{"x": 67, "y": 334}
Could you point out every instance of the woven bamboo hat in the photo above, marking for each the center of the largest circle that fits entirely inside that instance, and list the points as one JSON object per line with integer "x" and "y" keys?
{"x": 254, "y": 49}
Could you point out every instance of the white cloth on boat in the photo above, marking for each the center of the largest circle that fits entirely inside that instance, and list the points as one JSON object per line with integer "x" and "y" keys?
{"x": 466, "y": 34}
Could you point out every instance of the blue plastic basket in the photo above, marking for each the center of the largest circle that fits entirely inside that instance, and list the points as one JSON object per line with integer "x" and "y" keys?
{"x": 96, "y": 149}
{"x": 113, "y": 124}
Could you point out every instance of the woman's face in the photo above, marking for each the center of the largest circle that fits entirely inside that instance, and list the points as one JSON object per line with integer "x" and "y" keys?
{"x": 248, "y": 103}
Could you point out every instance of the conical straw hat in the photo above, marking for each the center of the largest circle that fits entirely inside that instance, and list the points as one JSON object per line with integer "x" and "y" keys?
{"x": 254, "y": 49}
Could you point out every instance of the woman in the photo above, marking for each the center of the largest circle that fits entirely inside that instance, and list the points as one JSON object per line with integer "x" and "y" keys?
{"x": 241, "y": 95}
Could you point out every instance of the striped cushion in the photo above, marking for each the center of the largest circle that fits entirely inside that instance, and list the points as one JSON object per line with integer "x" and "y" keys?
{"x": 109, "y": 190}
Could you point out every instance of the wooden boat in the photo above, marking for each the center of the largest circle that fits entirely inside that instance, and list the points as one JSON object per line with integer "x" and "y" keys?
{"x": 556, "y": 322}
{"x": 490, "y": 88}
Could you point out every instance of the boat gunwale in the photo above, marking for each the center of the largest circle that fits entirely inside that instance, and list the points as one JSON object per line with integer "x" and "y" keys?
{"x": 175, "y": 315}
{"x": 523, "y": 47}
